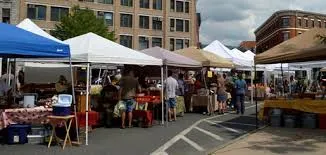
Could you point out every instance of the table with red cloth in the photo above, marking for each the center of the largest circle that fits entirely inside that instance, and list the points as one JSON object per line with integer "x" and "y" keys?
{"x": 148, "y": 115}
{"x": 37, "y": 115}
{"x": 93, "y": 118}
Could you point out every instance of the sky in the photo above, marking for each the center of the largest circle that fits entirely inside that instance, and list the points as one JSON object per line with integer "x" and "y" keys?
{"x": 233, "y": 21}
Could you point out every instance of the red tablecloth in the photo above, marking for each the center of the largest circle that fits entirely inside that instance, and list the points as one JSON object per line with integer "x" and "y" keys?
{"x": 93, "y": 118}
{"x": 37, "y": 115}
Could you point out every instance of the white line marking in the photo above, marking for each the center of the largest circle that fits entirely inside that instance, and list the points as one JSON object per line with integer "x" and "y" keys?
{"x": 192, "y": 143}
{"x": 210, "y": 134}
{"x": 184, "y": 132}
{"x": 235, "y": 123}
{"x": 227, "y": 128}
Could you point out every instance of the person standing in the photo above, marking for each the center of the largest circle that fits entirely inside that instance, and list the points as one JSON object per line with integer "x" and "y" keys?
{"x": 240, "y": 89}
{"x": 171, "y": 86}
{"x": 221, "y": 94}
{"x": 127, "y": 92}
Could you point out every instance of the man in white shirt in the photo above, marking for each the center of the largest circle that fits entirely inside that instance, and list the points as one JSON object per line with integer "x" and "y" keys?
{"x": 171, "y": 86}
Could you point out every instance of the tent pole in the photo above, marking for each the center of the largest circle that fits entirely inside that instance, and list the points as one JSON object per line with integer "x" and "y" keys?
{"x": 74, "y": 98}
{"x": 167, "y": 106}
{"x": 9, "y": 71}
{"x": 87, "y": 95}
{"x": 252, "y": 85}
{"x": 14, "y": 86}
{"x": 282, "y": 79}
{"x": 162, "y": 94}
{"x": 256, "y": 97}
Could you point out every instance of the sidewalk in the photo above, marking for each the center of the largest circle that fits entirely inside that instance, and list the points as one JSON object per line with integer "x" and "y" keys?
{"x": 275, "y": 141}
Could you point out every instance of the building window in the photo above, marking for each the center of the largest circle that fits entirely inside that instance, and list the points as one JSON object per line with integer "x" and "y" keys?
{"x": 105, "y": 1}
{"x": 286, "y": 36}
{"x": 144, "y": 22}
{"x": 156, "y": 42}
{"x": 178, "y": 44}
{"x": 179, "y": 6}
{"x": 157, "y": 4}
{"x": 306, "y": 23}
{"x": 187, "y": 43}
{"x": 312, "y": 23}
{"x": 187, "y": 7}
{"x": 6, "y": 15}
{"x": 126, "y": 41}
{"x": 37, "y": 12}
{"x": 126, "y": 3}
{"x": 179, "y": 25}
{"x": 86, "y": 0}
{"x": 157, "y": 23}
{"x": 319, "y": 24}
{"x": 172, "y": 44}
{"x": 186, "y": 25}
{"x": 172, "y": 5}
{"x": 299, "y": 22}
{"x": 285, "y": 22}
{"x": 125, "y": 20}
{"x": 107, "y": 17}
{"x": 58, "y": 13}
{"x": 143, "y": 43}
{"x": 172, "y": 25}
{"x": 144, "y": 4}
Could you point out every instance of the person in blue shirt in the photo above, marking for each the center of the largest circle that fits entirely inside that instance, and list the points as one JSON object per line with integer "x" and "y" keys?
{"x": 240, "y": 88}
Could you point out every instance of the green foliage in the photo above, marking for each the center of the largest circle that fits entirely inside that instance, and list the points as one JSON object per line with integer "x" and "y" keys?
{"x": 79, "y": 22}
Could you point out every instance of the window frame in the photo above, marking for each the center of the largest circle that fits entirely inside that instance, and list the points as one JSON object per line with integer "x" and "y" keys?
{"x": 122, "y": 17}
{"x": 127, "y": 3}
{"x": 126, "y": 36}
{"x": 187, "y": 26}
{"x": 105, "y": 1}
{"x": 176, "y": 25}
{"x": 105, "y": 20}
{"x": 36, "y": 13}
{"x": 146, "y": 41}
{"x": 154, "y": 23}
{"x": 156, "y": 4}
{"x": 142, "y": 23}
{"x": 59, "y": 13}
{"x": 177, "y": 9}
{"x": 176, "y": 44}
{"x": 187, "y": 7}
{"x": 144, "y": 5}
{"x": 157, "y": 42}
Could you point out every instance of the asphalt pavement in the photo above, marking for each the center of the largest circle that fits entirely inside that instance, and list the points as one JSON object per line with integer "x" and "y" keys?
{"x": 193, "y": 134}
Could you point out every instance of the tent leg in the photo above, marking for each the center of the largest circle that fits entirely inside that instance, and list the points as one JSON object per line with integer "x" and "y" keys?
{"x": 87, "y": 95}
{"x": 9, "y": 71}
{"x": 167, "y": 106}
{"x": 256, "y": 98}
{"x": 162, "y": 94}
{"x": 252, "y": 86}
{"x": 74, "y": 98}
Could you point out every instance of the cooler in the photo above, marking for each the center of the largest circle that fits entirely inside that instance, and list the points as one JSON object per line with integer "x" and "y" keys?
{"x": 17, "y": 134}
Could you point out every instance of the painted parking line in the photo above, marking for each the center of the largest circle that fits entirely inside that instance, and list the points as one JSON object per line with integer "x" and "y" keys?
{"x": 192, "y": 143}
{"x": 162, "y": 149}
{"x": 235, "y": 123}
{"x": 217, "y": 137}
{"x": 224, "y": 127}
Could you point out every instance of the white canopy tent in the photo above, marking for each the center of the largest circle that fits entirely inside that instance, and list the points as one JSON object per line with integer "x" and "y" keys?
{"x": 216, "y": 47}
{"x": 91, "y": 48}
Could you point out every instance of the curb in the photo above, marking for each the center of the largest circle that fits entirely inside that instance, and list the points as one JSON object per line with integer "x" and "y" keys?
{"x": 212, "y": 151}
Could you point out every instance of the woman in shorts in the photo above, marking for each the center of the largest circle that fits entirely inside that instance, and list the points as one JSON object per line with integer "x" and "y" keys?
{"x": 221, "y": 94}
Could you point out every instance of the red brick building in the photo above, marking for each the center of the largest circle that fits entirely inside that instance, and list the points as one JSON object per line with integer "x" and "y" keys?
{"x": 248, "y": 45}
{"x": 286, "y": 24}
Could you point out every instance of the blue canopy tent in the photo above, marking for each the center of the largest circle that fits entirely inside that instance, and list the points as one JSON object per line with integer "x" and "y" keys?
{"x": 18, "y": 43}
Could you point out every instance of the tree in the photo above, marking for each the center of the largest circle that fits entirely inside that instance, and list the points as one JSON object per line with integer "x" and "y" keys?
{"x": 79, "y": 22}
{"x": 322, "y": 38}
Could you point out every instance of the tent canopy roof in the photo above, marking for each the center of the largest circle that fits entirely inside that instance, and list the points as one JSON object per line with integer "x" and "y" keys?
{"x": 18, "y": 43}
{"x": 219, "y": 49}
{"x": 297, "y": 49}
{"x": 30, "y": 26}
{"x": 171, "y": 59}
{"x": 96, "y": 49}
{"x": 206, "y": 58}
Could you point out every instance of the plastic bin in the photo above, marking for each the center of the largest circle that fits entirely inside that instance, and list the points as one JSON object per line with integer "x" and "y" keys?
{"x": 289, "y": 121}
{"x": 36, "y": 139}
{"x": 17, "y": 134}
{"x": 59, "y": 110}
{"x": 309, "y": 121}
{"x": 322, "y": 121}
{"x": 64, "y": 100}
{"x": 275, "y": 120}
